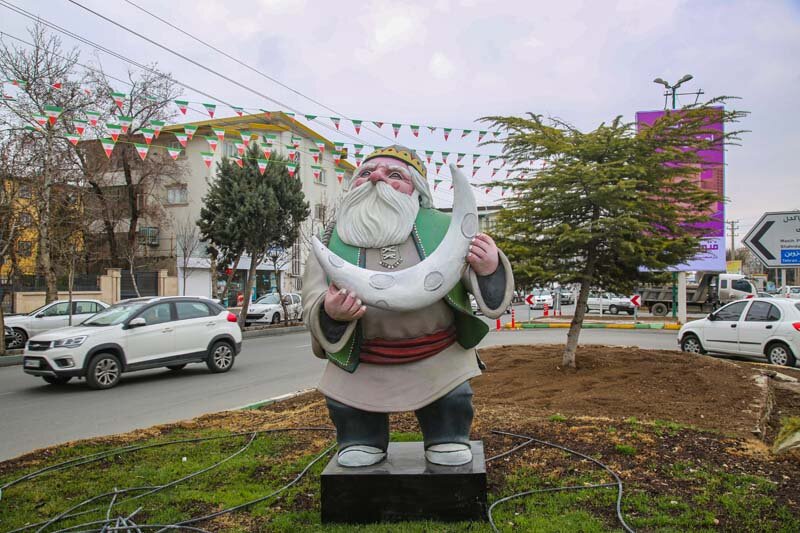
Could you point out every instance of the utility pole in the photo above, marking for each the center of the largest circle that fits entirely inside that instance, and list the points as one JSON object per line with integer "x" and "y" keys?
{"x": 733, "y": 225}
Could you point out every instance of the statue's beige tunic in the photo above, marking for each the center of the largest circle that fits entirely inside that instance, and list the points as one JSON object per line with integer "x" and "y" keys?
{"x": 395, "y": 387}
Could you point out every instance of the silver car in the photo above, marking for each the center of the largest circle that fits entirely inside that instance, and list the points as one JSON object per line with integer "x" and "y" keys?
{"x": 48, "y": 317}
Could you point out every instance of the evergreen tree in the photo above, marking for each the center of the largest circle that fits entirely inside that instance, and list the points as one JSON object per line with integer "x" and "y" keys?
{"x": 610, "y": 208}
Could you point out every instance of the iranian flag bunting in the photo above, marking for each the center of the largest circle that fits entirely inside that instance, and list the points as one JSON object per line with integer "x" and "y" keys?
{"x": 267, "y": 114}
{"x": 219, "y": 132}
{"x": 488, "y": 190}
{"x": 93, "y": 117}
{"x": 189, "y": 131}
{"x": 396, "y": 129}
{"x": 108, "y": 146}
{"x": 436, "y": 183}
{"x": 314, "y": 154}
{"x": 494, "y": 171}
{"x": 174, "y": 152}
{"x": 317, "y": 170}
{"x": 239, "y": 148}
{"x": 267, "y": 151}
{"x": 148, "y": 134}
{"x": 52, "y": 113}
{"x": 447, "y": 132}
{"x": 238, "y": 161}
{"x": 503, "y": 191}
{"x": 338, "y": 147}
{"x": 496, "y": 134}
{"x": 211, "y": 108}
{"x": 292, "y": 151}
{"x": 339, "y": 175}
{"x": 80, "y": 126}
{"x": 310, "y": 117}
{"x": 212, "y": 143}
{"x": 19, "y": 83}
{"x": 414, "y": 130}
{"x": 481, "y": 134}
{"x": 239, "y": 110}
{"x": 157, "y": 125}
{"x": 460, "y": 157}
{"x": 28, "y": 127}
{"x": 428, "y": 155}
{"x": 291, "y": 168}
{"x": 438, "y": 166}
{"x": 296, "y": 141}
{"x": 288, "y": 114}
{"x": 359, "y": 158}
{"x": 114, "y": 130}
{"x": 125, "y": 122}
{"x": 357, "y": 126}
{"x": 358, "y": 148}
{"x": 182, "y": 105}
{"x": 246, "y": 138}
{"x": 320, "y": 146}
{"x": 142, "y": 150}
{"x": 181, "y": 138}
{"x": 119, "y": 99}
{"x": 378, "y": 124}
{"x": 208, "y": 158}
{"x": 474, "y": 171}
{"x": 270, "y": 138}
{"x": 464, "y": 133}
{"x": 432, "y": 128}
{"x": 262, "y": 165}
{"x": 73, "y": 138}
{"x": 337, "y": 158}
{"x": 336, "y": 121}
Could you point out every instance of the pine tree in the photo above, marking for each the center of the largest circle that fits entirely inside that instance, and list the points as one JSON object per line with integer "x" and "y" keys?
{"x": 610, "y": 208}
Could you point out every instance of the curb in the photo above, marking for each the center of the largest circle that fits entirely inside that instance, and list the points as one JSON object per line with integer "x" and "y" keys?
{"x": 10, "y": 360}
{"x": 271, "y": 332}
{"x": 563, "y": 325}
{"x": 256, "y": 405}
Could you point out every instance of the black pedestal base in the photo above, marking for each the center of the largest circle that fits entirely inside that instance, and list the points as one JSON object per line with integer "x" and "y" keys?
{"x": 405, "y": 487}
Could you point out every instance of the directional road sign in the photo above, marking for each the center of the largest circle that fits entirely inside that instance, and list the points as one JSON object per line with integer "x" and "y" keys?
{"x": 529, "y": 299}
{"x": 775, "y": 239}
{"x": 635, "y": 300}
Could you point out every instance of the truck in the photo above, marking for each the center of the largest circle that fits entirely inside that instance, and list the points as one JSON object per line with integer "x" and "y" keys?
{"x": 712, "y": 290}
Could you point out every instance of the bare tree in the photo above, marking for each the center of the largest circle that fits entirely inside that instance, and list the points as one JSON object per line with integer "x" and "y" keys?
{"x": 69, "y": 233}
{"x": 8, "y": 221}
{"x": 187, "y": 240}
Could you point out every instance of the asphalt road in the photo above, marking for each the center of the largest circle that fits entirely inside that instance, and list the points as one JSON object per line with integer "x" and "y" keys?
{"x": 34, "y": 414}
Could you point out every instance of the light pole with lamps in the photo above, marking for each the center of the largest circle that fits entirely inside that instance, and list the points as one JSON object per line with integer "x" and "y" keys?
{"x": 672, "y": 89}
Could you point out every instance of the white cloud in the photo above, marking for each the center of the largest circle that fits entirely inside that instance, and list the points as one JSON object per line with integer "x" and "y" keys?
{"x": 440, "y": 66}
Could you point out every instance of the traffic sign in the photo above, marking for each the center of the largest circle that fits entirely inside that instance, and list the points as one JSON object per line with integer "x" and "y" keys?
{"x": 529, "y": 299}
{"x": 775, "y": 239}
{"x": 635, "y": 300}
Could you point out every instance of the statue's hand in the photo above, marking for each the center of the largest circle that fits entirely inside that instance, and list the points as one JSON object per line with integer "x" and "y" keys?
{"x": 343, "y": 306}
{"x": 483, "y": 256}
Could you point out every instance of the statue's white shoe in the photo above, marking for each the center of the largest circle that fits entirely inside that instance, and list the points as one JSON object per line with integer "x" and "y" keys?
{"x": 450, "y": 454}
{"x": 354, "y": 456}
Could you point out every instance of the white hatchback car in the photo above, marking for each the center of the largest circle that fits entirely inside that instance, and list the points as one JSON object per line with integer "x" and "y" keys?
{"x": 51, "y": 316}
{"x": 136, "y": 335}
{"x": 758, "y": 326}
{"x": 268, "y": 309}
{"x": 541, "y": 297}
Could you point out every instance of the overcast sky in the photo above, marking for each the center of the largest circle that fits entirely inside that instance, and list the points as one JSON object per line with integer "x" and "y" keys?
{"x": 449, "y": 62}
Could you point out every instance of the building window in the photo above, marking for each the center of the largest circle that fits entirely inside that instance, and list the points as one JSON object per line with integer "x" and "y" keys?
{"x": 177, "y": 195}
{"x": 295, "y": 260}
{"x": 25, "y": 219}
{"x": 141, "y": 202}
{"x": 321, "y": 179}
{"x": 230, "y": 150}
{"x": 24, "y": 248}
{"x": 319, "y": 212}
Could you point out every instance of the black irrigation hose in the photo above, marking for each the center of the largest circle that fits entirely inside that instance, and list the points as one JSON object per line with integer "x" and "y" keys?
{"x": 618, "y": 481}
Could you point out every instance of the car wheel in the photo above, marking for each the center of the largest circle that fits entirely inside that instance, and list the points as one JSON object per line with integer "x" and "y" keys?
{"x": 613, "y": 309}
{"x": 631, "y": 312}
{"x": 56, "y": 380}
{"x": 659, "y": 309}
{"x": 276, "y": 318}
{"x": 176, "y": 367}
{"x": 220, "y": 357}
{"x": 18, "y": 340}
{"x": 691, "y": 344}
{"x": 780, "y": 354}
{"x": 104, "y": 371}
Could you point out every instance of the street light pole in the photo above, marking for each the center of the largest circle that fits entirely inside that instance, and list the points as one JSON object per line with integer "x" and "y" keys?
{"x": 673, "y": 89}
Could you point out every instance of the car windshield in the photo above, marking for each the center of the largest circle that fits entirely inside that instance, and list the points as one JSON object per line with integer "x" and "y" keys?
{"x": 37, "y": 310}
{"x": 540, "y": 292}
{"x": 116, "y": 314}
{"x": 795, "y": 290}
{"x": 269, "y": 299}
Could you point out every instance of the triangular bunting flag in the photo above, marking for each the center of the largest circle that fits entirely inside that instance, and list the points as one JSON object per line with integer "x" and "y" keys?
{"x": 239, "y": 110}
{"x": 378, "y": 124}
{"x": 181, "y": 138}
{"x": 339, "y": 175}
{"x": 337, "y": 158}
{"x": 447, "y": 132}
{"x": 148, "y": 134}
{"x": 288, "y": 114}
{"x": 317, "y": 170}
{"x": 114, "y": 130}
{"x": 239, "y": 148}
{"x": 52, "y": 113}
{"x": 464, "y": 133}
{"x": 19, "y": 83}
{"x": 208, "y": 158}
{"x": 474, "y": 171}
{"x": 496, "y": 134}
{"x": 358, "y": 148}
{"x": 211, "y": 108}
{"x": 336, "y": 121}
{"x": 357, "y": 126}
{"x": 503, "y": 191}
{"x": 315, "y": 154}
{"x": 182, "y": 105}
{"x": 174, "y": 152}
{"x": 151, "y": 98}
{"x": 396, "y": 129}
{"x": 432, "y": 128}
{"x": 436, "y": 183}
{"x": 481, "y": 134}
{"x": 157, "y": 125}
{"x": 142, "y": 150}
{"x": 262, "y": 165}
{"x": 338, "y": 147}
{"x": 296, "y": 141}
{"x": 270, "y": 138}
{"x": 488, "y": 189}
{"x": 212, "y": 143}
{"x": 189, "y": 131}
{"x": 267, "y": 151}
{"x": 80, "y": 126}
{"x": 267, "y": 114}
{"x": 292, "y": 151}
{"x": 428, "y": 155}
{"x": 93, "y": 116}
{"x": 34, "y": 128}
{"x": 219, "y": 132}
{"x": 73, "y": 138}
{"x": 445, "y": 155}
{"x": 119, "y": 99}
{"x": 320, "y": 146}
{"x": 238, "y": 161}
{"x": 460, "y": 157}
{"x": 125, "y": 122}
{"x": 291, "y": 168}
{"x": 310, "y": 117}
{"x": 358, "y": 158}
{"x": 108, "y": 146}
{"x": 494, "y": 171}
{"x": 246, "y": 138}
{"x": 438, "y": 167}
{"x": 414, "y": 130}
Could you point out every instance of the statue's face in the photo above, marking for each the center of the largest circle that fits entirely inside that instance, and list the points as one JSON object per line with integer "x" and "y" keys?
{"x": 388, "y": 170}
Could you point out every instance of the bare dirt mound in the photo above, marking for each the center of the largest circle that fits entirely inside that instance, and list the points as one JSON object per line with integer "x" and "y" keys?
{"x": 620, "y": 382}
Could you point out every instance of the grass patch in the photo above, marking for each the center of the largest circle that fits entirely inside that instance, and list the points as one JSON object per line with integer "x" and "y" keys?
{"x": 789, "y": 426}
{"x": 625, "y": 449}
{"x": 557, "y": 418}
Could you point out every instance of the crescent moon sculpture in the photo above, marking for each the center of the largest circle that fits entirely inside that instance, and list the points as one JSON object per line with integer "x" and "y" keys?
{"x": 424, "y": 283}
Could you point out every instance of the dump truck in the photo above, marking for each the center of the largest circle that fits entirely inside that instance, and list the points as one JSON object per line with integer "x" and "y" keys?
{"x": 712, "y": 290}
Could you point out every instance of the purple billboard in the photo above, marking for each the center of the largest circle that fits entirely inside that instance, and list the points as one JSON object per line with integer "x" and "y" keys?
{"x": 710, "y": 176}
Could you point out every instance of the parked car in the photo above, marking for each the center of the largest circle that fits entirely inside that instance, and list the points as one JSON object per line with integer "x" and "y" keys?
{"x": 134, "y": 335}
{"x": 8, "y": 336}
{"x": 766, "y": 327}
{"x": 541, "y": 297}
{"x": 609, "y": 302}
{"x": 268, "y": 309}
{"x": 51, "y": 316}
{"x": 763, "y": 294}
{"x": 789, "y": 291}
{"x": 566, "y": 296}
{"x": 476, "y": 310}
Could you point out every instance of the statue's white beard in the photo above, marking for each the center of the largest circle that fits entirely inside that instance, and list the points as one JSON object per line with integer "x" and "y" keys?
{"x": 376, "y": 215}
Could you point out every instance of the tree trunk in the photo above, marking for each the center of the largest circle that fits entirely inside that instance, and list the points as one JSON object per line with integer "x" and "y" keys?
{"x": 70, "y": 284}
{"x": 2, "y": 323}
{"x": 214, "y": 277}
{"x": 280, "y": 291}
{"x": 133, "y": 276}
{"x": 568, "y": 360}
{"x": 248, "y": 287}
{"x": 230, "y": 278}
{"x": 45, "y": 259}
{"x": 108, "y": 225}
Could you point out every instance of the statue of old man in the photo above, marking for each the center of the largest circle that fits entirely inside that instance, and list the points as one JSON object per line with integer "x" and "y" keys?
{"x": 382, "y": 360}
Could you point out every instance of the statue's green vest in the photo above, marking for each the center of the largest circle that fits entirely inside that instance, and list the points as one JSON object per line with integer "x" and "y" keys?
{"x": 430, "y": 227}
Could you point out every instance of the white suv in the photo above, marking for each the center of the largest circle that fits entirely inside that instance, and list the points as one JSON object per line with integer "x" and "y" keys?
{"x": 136, "y": 335}
{"x": 268, "y": 309}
